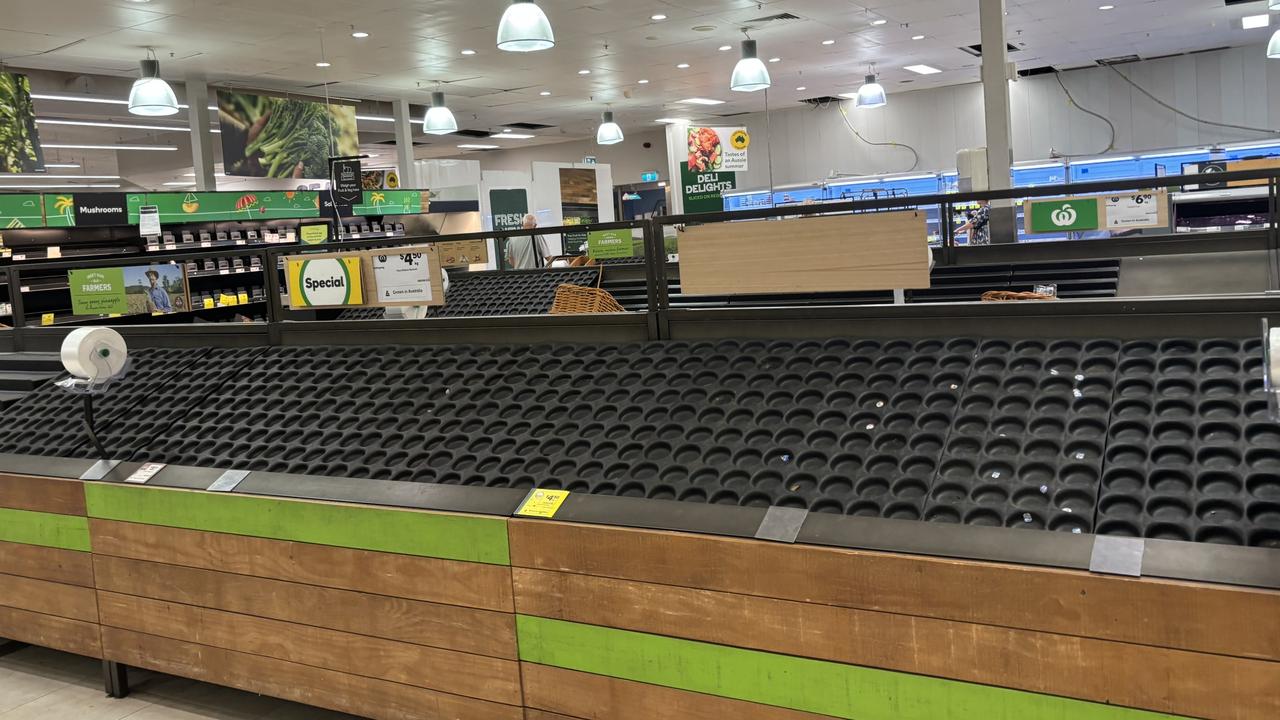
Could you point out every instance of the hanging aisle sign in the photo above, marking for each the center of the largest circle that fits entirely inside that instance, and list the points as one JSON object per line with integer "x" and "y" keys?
{"x": 703, "y": 192}
{"x": 713, "y": 149}
{"x": 508, "y": 208}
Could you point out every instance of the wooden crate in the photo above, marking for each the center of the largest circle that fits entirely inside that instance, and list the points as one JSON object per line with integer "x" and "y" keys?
{"x": 46, "y": 572}
{"x": 626, "y": 621}
{"x": 383, "y": 613}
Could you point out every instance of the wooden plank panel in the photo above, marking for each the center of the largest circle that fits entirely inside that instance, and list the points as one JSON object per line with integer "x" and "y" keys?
{"x": 483, "y": 632}
{"x": 1141, "y": 676}
{"x": 1208, "y": 618}
{"x": 73, "y": 636}
{"x": 446, "y": 670}
{"x": 42, "y": 494}
{"x": 597, "y": 697}
{"x": 531, "y": 714}
{"x": 815, "y": 686}
{"x": 50, "y": 598}
{"x": 871, "y": 251}
{"x": 30, "y": 527}
{"x": 469, "y": 538}
{"x": 45, "y": 563}
{"x": 419, "y": 578}
{"x": 367, "y": 697}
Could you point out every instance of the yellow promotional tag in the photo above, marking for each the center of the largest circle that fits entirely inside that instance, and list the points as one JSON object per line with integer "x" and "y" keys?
{"x": 111, "y": 315}
{"x": 542, "y": 503}
{"x": 46, "y": 319}
{"x": 243, "y": 298}
{"x": 208, "y": 303}
{"x": 225, "y": 299}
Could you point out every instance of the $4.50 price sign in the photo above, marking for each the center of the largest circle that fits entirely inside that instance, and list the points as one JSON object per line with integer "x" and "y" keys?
{"x": 405, "y": 277}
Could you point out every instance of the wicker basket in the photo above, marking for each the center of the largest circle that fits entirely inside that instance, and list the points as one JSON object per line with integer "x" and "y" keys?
{"x": 1006, "y": 295}
{"x": 577, "y": 300}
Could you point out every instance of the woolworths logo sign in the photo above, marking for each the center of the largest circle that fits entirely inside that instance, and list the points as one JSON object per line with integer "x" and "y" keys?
{"x": 1049, "y": 216}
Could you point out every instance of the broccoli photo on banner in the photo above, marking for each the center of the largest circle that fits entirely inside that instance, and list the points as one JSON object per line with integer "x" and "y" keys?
{"x": 277, "y": 137}
{"x": 19, "y": 143}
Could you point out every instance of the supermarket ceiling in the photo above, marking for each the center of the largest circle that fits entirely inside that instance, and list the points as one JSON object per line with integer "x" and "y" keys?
{"x": 413, "y": 44}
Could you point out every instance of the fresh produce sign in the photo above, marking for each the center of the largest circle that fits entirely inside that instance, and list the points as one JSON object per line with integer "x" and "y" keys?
{"x": 20, "y": 211}
{"x": 275, "y": 137}
{"x": 19, "y": 142}
{"x": 713, "y": 149}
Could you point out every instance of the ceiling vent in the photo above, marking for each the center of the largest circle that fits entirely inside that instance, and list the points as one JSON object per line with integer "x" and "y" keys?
{"x": 821, "y": 102}
{"x": 1042, "y": 70}
{"x": 473, "y": 133}
{"x": 976, "y": 50}
{"x": 1118, "y": 60}
{"x": 780, "y": 17}
{"x": 416, "y": 143}
{"x": 527, "y": 126}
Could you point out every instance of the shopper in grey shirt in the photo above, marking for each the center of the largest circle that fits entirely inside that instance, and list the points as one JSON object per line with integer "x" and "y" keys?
{"x": 525, "y": 253}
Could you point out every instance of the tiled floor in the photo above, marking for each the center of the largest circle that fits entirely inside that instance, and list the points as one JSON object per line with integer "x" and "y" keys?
{"x": 40, "y": 684}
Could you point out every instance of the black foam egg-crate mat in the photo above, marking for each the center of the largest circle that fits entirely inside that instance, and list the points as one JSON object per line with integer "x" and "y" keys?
{"x": 1160, "y": 439}
{"x": 509, "y": 293}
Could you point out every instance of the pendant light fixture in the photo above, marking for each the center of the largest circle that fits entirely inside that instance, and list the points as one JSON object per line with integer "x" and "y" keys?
{"x": 439, "y": 120}
{"x": 750, "y": 74}
{"x": 871, "y": 94}
{"x": 525, "y": 28}
{"x": 1273, "y": 47}
{"x": 609, "y": 132}
{"x": 150, "y": 95}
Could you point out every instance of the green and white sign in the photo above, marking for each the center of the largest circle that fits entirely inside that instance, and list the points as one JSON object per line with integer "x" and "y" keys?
{"x": 1049, "y": 216}
{"x": 20, "y": 211}
{"x": 99, "y": 291}
{"x": 609, "y": 244}
{"x": 509, "y": 208}
{"x": 703, "y": 192}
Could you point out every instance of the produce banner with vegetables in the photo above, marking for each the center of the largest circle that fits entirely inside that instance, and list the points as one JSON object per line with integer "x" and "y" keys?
{"x": 19, "y": 141}
{"x": 265, "y": 136}
{"x": 713, "y": 149}
{"x": 20, "y": 211}
{"x": 220, "y": 206}
{"x": 392, "y": 202}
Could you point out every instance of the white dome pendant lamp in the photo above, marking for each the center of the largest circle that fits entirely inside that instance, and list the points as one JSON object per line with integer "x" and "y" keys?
{"x": 151, "y": 96}
{"x": 525, "y": 28}
{"x": 1273, "y": 47}
{"x": 871, "y": 94}
{"x": 609, "y": 132}
{"x": 750, "y": 74}
{"x": 439, "y": 120}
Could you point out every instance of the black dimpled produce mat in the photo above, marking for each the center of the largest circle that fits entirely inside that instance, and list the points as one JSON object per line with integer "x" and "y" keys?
{"x": 509, "y": 293}
{"x": 1160, "y": 439}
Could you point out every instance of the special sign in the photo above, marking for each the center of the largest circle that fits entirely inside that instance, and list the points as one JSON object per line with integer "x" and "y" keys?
{"x": 324, "y": 282}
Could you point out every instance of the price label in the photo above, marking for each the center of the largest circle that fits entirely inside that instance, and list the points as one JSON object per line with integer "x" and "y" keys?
{"x": 239, "y": 242}
{"x": 144, "y": 473}
{"x": 208, "y": 303}
{"x": 205, "y": 244}
{"x": 542, "y": 503}
{"x": 19, "y": 257}
{"x": 403, "y": 277}
{"x": 46, "y": 319}
{"x": 243, "y": 298}
{"x": 111, "y": 315}
{"x": 224, "y": 271}
{"x": 225, "y": 299}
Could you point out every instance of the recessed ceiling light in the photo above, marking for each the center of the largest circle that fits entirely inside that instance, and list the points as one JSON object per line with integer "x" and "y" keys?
{"x": 545, "y": 93}
{"x": 643, "y": 82}
{"x": 508, "y": 135}
{"x": 1106, "y": 7}
{"x": 917, "y": 37}
{"x": 683, "y": 66}
{"x": 359, "y": 34}
{"x": 468, "y": 51}
{"x": 375, "y": 118}
{"x": 179, "y": 184}
{"x": 63, "y": 177}
{"x": 922, "y": 69}
{"x": 671, "y": 121}
{"x": 322, "y": 63}
{"x": 879, "y": 21}
{"x": 725, "y": 47}
{"x": 700, "y": 101}
{"x": 506, "y": 130}
{"x": 775, "y": 59}
{"x": 801, "y": 88}
{"x": 828, "y": 42}
{"x": 658, "y": 17}
{"x": 584, "y": 72}
{"x": 1251, "y": 22}
{"x": 472, "y": 146}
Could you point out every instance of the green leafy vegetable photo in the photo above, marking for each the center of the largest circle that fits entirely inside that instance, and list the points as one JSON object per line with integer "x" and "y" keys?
{"x": 19, "y": 143}
{"x": 283, "y": 137}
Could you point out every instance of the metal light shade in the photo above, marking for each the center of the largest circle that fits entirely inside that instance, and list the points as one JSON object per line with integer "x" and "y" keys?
{"x": 871, "y": 94}
{"x": 609, "y": 132}
{"x": 150, "y": 95}
{"x": 525, "y": 28}
{"x": 1273, "y": 5}
{"x": 1273, "y": 47}
{"x": 750, "y": 74}
{"x": 439, "y": 120}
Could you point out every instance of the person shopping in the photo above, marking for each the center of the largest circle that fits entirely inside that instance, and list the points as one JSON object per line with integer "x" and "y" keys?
{"x": 525, "y": 253}
{"x": 979, "y": 225}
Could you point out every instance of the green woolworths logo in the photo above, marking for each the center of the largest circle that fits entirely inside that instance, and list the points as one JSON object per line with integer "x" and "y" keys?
{"x": 1064, "y": 216}
{"x": 1049, "y": 216}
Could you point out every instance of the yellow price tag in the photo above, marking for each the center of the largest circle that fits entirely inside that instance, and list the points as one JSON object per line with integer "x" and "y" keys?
{"x": 208, "y": 303}
{"x": 243, "y": 298}
{"x": 46, "y": 319}
{"x": 111, "y": 315}
{"x": 542, "y": 503}
{"x": 225, "y": 299}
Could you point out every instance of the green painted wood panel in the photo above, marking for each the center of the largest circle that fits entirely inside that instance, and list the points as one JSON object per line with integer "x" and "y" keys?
{"x": 69, "y": 532}
{"x": 451, "y": 537}
{"x": 827, "y": 688}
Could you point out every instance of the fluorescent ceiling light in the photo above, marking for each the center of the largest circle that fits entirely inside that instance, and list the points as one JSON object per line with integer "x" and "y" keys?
{"x": 59, "y": 177}
{"x": 1099, "y": 161}
{"x": 129, "y": 126}
{"x": 62, "y": 165}
{"x": 1251, "y": 22}
{"x": 79, "y": 98}
{"x": 472, "y": 146}
{"x": 191, "y": 174}
{"x": 683, "y": 66}
{"x": 107, "y": 147}
{"x": 917, "y": 37}
{"x": 58, "y": 187}
{"x": 699, "y": 101}
{"x": 879, "y": 21}
{"x": 179, "y": 184}
{"x": 671, "y": 121}
{"x": 1106, "y": 7}
{"x": 922, "y": 69}
{"x": 828, "y": 42}
{"x": 375, "y": 118}
{"x": 512, "y": 136}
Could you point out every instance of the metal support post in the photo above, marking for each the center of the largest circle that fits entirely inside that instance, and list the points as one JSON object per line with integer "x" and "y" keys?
{"x": 115, "y": 678}
{"x": 201, "y": 136}
{"x": 995, "y": 104}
